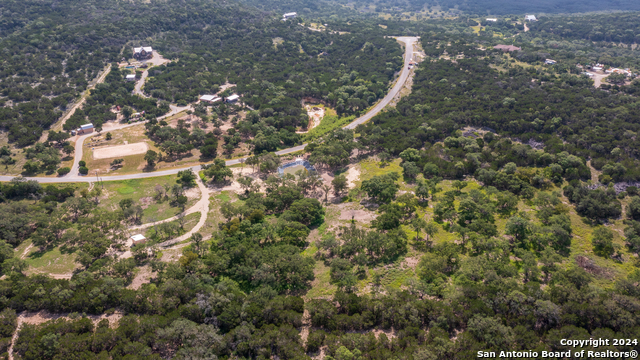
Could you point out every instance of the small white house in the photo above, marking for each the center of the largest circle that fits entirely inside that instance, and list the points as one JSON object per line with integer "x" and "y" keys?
{"x": 550, "y": 62}
{"x": 492, "y": 19}
{"x": 232, "y": 99}
{"x": 138, "y": 239}
{"x": 530, "y": 18}
{"x": 210, "y": 98}
{"x": 290, "y": 15}
{"x": 131, "y": 77}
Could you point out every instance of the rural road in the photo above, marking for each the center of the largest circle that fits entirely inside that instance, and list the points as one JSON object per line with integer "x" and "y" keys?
{"x": 74, "y": 177}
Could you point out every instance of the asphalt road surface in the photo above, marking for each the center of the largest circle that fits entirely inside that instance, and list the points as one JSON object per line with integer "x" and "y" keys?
{"x": 74, "y": 177}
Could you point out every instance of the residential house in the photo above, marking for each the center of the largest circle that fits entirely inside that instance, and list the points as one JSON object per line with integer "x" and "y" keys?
{"x": 550, "y": 62}
{"x": 210, "y": 98}
{"x": 492, "y": 20}
{"x": 141, "y": 53}
{"x": 131, "y": 77}
{"x": 290, "y": 15}
{"x": 530, "y": 18}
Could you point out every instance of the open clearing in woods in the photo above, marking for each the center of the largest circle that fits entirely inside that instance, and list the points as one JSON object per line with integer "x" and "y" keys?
{"x": 120, "y": 150}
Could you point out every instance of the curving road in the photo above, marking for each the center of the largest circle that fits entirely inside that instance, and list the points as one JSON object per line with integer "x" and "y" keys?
{"x": 74, "y": 177}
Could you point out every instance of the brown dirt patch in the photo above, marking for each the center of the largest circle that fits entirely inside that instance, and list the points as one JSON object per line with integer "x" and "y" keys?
{"x": 120, "y": 150}
{"x": 193, "y": 193}
{"x": 145, "y": 201}
{"x": 411, "y": 262}
{"x": 142, "y": 277}
{"x": 357, "y": 215}
{"x": 353, "y": 175}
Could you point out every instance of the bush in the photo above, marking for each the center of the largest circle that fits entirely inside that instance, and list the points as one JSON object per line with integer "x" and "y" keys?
{"x": 64, "y": 171}
{"x": 602, "y": 241}
{"x": 83, "y": 170}
{"x": 82, "y": 163}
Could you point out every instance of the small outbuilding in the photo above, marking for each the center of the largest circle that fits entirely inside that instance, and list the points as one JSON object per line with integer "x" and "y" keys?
{"x": 131, "y": 77}
{"x": 550, "y": 62}
{"x": 85, "y": 129}
{"x": 232, "y": 99}
{"x": 138, "y": 239}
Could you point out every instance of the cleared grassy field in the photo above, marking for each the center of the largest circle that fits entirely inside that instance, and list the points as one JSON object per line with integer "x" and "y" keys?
{"x": 142, "y": 191}
{"x": 51, "y": 262}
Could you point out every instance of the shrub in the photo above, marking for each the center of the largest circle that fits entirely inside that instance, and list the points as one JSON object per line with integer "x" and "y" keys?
{"x": 82, "y": 163}
{"x": 83, "y": 170}
{"x": 64, "y": 171}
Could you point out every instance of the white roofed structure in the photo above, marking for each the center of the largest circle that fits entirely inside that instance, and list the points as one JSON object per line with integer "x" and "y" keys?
{"x": 530, "y": 18}
{"x": 210, "y": 98}
{"x": 233, "y": 98}
{"x": 290, "y": 15}
{"x": 143, "y": 48}
{"x": 138, "y": 239}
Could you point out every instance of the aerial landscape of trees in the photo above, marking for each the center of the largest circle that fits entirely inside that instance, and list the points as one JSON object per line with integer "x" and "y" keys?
{"x": 492, "y": 206}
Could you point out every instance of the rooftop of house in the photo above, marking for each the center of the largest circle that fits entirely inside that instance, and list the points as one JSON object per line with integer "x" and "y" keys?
{"x": 86, "y": 126}
{"x": 145, "y": 48}
{"x": 138, "y": 237}
{"x": 233, "y": 97}
{"x": 507, "y": 48}
{"x": 208, "y": 97}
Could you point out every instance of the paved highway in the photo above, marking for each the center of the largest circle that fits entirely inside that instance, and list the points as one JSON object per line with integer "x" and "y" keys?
{"x": 74, "y": 177}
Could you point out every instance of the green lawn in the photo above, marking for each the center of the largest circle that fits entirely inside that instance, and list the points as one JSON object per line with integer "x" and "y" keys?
{"x": 142, "y": 191}
{"x": 51, "y": 262}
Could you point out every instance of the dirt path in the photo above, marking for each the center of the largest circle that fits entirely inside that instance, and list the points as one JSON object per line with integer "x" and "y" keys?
{"x": 201, "y": 206}
{"x": 195, "y": 208}
{"x": 526, "y": 28}
{"x": 58, "y": 126}
{"x": 597, "y": 78}
{"x": 26, "y": 252}
{"x": 156, "y": 60}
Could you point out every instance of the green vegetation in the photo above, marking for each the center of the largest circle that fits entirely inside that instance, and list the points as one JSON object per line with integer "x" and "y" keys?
{"x": 496, "y": 207}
